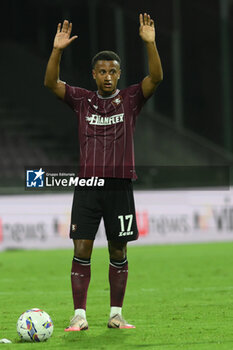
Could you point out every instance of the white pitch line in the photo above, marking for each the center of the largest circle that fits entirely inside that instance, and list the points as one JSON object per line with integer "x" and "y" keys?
{"x": 214, "y": 289}
{"x": 36, "y": 292}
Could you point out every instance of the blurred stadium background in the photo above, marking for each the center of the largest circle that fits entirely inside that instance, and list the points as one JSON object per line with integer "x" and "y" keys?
{"x": 187, "y": 123}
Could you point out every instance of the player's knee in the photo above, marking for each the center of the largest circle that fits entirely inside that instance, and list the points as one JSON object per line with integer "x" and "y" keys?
{"x": 117, "y": 250}
{"x": 83, "y": 248}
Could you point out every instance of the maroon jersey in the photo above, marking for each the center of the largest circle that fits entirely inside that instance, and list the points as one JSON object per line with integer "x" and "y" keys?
{"x": 106, "y": 128}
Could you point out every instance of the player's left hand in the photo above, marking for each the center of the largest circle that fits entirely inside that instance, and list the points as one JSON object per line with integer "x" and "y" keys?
{"x": 147, "y": 28}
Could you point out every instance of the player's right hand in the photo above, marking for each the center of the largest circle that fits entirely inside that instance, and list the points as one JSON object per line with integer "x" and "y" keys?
{"x": 62, "y": 38}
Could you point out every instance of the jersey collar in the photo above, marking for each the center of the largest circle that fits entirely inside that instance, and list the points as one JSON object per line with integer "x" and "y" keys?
{"x": 108, "y": 97}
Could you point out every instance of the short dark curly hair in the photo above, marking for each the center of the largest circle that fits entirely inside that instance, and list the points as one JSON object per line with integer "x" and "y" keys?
{"x": 105, "y": 56}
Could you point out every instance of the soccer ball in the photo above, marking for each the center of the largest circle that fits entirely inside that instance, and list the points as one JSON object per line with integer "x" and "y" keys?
{"x": 34, "y": 325}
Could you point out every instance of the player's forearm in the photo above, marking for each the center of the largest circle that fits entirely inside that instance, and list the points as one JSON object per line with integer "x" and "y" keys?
{"x": 155, "y": 67}
{"x": 53, "y": 69}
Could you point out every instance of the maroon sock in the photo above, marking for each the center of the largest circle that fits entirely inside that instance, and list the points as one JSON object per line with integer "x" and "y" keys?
{"x": 118, "y": 274}
{"x": 80, "y": 278}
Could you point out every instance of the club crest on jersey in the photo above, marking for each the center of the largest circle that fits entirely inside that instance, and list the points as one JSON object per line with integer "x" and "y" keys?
{"x": 96, "y": 119}
{"x": 117, "y": 101}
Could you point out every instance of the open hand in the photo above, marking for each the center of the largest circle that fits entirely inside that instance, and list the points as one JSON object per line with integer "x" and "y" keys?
{"x": 62, "y": 38}
{"x": 147, "y": 28}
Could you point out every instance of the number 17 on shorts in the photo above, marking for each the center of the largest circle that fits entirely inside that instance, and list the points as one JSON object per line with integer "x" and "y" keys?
{"x": 125, "y": 225}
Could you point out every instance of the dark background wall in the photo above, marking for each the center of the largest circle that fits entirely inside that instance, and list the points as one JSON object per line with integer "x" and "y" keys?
{"x": 33, "y": 25}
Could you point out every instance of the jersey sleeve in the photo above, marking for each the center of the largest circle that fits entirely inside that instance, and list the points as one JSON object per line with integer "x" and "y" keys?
{"x": 136, "y": 98}
{"x": 74, "y": 95}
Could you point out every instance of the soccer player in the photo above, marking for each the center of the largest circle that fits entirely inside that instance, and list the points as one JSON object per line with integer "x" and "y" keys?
{"x": 106, "y": 120}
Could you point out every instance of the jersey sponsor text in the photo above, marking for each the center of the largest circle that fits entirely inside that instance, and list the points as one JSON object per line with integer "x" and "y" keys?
{"x": 96, "y": 119}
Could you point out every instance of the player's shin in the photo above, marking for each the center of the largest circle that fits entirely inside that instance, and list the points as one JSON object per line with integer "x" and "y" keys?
{"x": 80, "y": 278}
{"x": 118, "y": 274}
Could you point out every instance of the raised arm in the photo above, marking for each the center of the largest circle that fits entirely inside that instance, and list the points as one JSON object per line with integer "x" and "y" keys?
{"x": 61, "y": 41}
{"x": 147, "y": 33}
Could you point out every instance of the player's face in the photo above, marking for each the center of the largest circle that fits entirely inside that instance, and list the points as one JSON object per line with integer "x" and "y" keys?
{"x": 106, "y": 75}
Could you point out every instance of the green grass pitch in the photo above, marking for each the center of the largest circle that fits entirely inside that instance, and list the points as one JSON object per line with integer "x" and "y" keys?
{"x": 178, "y": 296}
